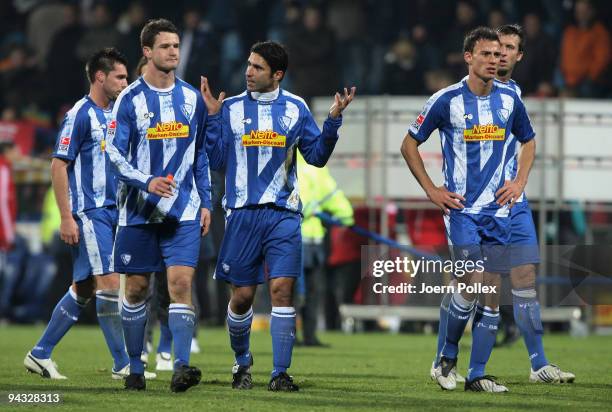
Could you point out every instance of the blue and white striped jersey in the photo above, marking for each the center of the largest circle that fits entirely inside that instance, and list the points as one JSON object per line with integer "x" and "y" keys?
{"x": 475, "y": 136}
{"x": 254, "y": 138}
{"x": 82, "y": 141}
{"x": 512, "y": 167}
{"x": 154, "y": 133}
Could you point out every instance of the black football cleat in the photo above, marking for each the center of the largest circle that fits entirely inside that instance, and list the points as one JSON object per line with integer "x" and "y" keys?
{"x": 135, "y": 382}
{"x": 242, "y": 376}
{"x": 184, "y": 378}
{"x": 282, "y": 383}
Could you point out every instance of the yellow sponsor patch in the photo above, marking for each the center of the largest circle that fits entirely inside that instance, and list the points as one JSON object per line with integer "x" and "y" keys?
{"x": 168, "y": 130}
{"x": 264, "y": 138}
{"x": 103, "y": 145}
{"x": 485, "y": 132}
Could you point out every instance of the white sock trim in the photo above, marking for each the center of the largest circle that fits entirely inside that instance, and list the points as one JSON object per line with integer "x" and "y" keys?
{"x": 133, "y": 307}
{"x": 238, "y": 317}
{"x": 283, "y": 311}
{"x": 524, "y": 293}
{"x": 81, "y": 301}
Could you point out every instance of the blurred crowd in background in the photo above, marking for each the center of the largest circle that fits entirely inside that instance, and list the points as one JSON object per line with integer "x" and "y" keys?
{"x": 383, "y": 47}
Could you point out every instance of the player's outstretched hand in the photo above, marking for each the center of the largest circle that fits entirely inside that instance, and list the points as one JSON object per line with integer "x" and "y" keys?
{"x": 69, "y": 231}
{"x": 341, "y": 102}
{"x": 213, "y": 105}
{"x": 509, "y": 193}
{"x": 441, "y": 197}
{"x": 204, "y": 220}
{"x": 161, "y": 186}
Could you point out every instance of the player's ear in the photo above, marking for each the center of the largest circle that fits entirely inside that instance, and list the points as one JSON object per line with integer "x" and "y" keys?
{"x": 467, "y": 56}
{"x": 146, "y": 52}
{"x": 100, "y": 76}
{"x": 278, "y": 75}
{"x": 519, "y": 57}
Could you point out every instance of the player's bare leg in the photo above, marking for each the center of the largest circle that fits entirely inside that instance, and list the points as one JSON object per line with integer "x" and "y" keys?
{"x": 282, "y": 329}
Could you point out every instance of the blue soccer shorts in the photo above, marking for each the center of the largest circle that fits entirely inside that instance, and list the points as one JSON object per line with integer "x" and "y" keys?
{"x": 482, "y": 238}
{"x": 93, "y": 254}
{"x": 258, "y": 235}
{"x": 152, "y": 247}
{"x": 524, "y": 247}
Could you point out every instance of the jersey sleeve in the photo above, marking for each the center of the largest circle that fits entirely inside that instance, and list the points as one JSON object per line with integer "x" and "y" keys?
{"x": 218, "y": 136}
{"x": 315, "y": 145}
{"x": 71, "y": 135}
{"x": 521, "y": 126}
{"x": 201, "y": 170}
{"x": 120, "y": 129}
{"x": 428, "y": 120}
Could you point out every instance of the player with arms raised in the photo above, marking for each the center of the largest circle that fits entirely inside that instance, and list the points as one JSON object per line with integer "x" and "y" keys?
{"x": 254, "y": 137}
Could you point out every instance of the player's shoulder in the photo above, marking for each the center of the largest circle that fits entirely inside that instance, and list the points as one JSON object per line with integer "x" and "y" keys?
{"x": 126, "y": 95}
{"x": 509, "y": 88}
{"x": 443, "y": 96}
{"x": 293, "y": 98}
{"x": 184, "y": 85}
{"x": 79, "y": 110}
{"x": 228, "y": 102}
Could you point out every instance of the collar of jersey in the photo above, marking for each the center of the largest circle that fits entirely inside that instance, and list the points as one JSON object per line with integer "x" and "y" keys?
{"x": 166, "y": 90}
{"x": 266, "y": 97}
{"x": 109, "y": 109}
{"x": 464, "y": 80}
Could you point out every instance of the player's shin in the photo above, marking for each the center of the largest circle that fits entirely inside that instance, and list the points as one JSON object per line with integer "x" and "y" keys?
{"x": 459, "y": 312}
{"x": 181, "y": 320}
{"x": 282, "y": 329}
{"x": 134, "y": 319}
{"x": 444, "y": 306}
{"x": 239, "y": 327}
{"x": 109, "y": 319}
{"x": 527, "y": 317}
{"x": 65, "y": 314}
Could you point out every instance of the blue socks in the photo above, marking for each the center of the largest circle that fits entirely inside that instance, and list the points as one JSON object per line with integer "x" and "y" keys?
{"x": 181, "y": 320}
{"x": 527, "y": 318}
{"x": 134, "y": 320}
{"x": 459, "y": 311}
{"x": 442, "y": 326}
{"x": 484, "y": 330}
{"x": 239, "y": 327}
{"x": 107, "y": 309}
{"x": 282, "y": 329}
{"x": 65, "y": 314}
{"x": 165, "y": 338}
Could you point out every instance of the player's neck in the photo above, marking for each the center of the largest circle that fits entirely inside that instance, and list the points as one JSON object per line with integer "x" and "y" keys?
{"x": 479, "y": 86}
{"x": 99, "y": 97}
{"x": 159, "y": 79}
{"x": 505, "y": 78}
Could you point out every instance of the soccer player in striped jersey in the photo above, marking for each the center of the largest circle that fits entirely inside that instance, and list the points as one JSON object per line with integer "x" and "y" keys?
{"x": 85, "y": 187}
{"x": 524, "y": 243}
{"x": 475, "y": 118}
{"x": 524, "y": 253}
{"x": 254, "y": 137}
{"x": 156, "y": 143}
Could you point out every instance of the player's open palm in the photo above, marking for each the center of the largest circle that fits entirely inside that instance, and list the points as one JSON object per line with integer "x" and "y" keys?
{"x": 69, "y": 231}
{"x": 213, "y": 105}
{"x": 341, "y": 102}
{"x": 446, "y": 200}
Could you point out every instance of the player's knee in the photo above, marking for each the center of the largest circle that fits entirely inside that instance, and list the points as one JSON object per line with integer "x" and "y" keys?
{"x": 86, "y": 288}
{"x": 107, "y": 282}
{"x": 136, "y": 290}
{"x": 523, "y": 277}
{"x": 282, "y": 294}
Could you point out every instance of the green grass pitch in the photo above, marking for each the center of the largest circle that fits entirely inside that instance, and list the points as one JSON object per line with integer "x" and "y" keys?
{"x": 358, "y": 372}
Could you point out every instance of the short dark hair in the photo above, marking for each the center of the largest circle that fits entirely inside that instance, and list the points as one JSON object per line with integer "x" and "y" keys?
{"x": 104, "y": 60}
{"x": 274, "y": 54}
{"x": 479, "y": 33}
{"x": 153, "y": 28}
{"x": 513, "y": 29}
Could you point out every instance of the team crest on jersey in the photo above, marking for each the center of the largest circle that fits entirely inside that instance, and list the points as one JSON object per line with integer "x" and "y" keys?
{"x": 125, "y": 258}
{"x": 226, "y": 268}
{"x": 264, "y": 138}
{"x": 485, "y": 132}
{"x": 285, "y": 123}
{"x": 168, "y": 130}
{"x": 187, "y": 110}
{"x": 503, "y": 114}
